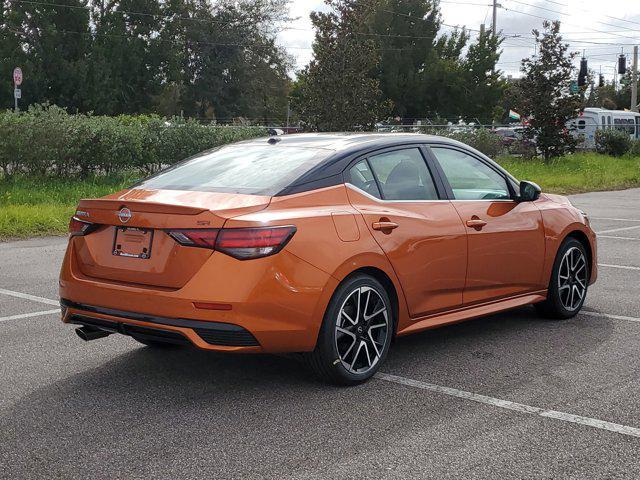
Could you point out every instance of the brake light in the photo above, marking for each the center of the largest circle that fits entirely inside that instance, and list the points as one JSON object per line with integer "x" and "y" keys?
{"x": 79, "y": 227}
{"x": 247, "y": 243}
{"x": 200, "y": 237}
{"x": 240, "y": 243}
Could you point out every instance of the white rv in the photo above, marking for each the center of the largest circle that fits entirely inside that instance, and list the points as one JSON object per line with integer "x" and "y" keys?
{"x": 594, "y": 119}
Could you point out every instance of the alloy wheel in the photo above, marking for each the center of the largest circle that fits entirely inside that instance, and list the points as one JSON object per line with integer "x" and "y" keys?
{"x": 362, "y": 330}
{"x": 572, "y": 278}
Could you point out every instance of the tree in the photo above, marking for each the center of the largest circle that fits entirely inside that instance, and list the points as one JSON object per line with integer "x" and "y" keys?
{"x": 222, "y": 61}
{"x": 207, "y": 59}
{"x": 50, "y": 43}
{"x": 125, "y": 56}
{"x": 337, "y": 90}
{"x": 405, "y": 33}
{"x": 547, "y": 99}
{"x": 427, "y": 73}
{"x": 483, "y": 81}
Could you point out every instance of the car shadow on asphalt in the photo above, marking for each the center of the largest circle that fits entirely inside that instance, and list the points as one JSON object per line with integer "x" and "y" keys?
{"x": 514, "y": 347}
{"x": 158, "y": 401}
{"x": 511, "y": 342}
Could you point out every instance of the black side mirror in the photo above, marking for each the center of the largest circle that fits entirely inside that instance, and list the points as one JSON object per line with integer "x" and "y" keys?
{"x": 529, "y": 191}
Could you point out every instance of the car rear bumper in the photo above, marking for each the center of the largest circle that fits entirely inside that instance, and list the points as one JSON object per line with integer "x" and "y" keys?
{"x": 274, "y": 305}
{"x": 208, "y": 335}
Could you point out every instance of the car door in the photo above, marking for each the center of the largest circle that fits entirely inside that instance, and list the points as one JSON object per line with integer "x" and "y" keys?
{"x": 506, "y": 243}
{"x": 417, "y": 228}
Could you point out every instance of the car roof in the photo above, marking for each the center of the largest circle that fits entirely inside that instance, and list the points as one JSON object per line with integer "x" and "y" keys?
{"x": 345, "y": 147}
{"x": 341, "y": 142}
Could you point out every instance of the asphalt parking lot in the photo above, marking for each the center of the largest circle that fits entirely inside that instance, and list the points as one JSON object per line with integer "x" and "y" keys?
{"x": 508, "y": 396}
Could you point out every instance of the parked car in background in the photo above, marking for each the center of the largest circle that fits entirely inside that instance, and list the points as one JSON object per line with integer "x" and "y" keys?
{"x": 507, "y": 135}
{"x": 326, "y": 244}
{"x": 515, "y": 142}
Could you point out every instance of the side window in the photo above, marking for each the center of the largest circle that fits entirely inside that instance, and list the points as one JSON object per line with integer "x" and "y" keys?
{"x": 471, "y": 179}
{"x": 403, "y": 175}
{"x": 360, "y": 176}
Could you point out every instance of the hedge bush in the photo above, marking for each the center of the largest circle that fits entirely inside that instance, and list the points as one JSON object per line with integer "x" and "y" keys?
{"x": 482, "y": 139}
{"x": 46, "y": 140}
{"x": 634, "y": 151}
{"x": 613, "y": 142}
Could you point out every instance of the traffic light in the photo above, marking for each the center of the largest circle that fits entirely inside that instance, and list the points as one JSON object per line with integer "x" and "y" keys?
{"x": 582, "y": 75}
{"x": 601, "y": 80}
{"x": 622, "y": 65}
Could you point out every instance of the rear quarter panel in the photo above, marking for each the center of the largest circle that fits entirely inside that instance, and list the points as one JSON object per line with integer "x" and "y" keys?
{"x": 331, "y": 235}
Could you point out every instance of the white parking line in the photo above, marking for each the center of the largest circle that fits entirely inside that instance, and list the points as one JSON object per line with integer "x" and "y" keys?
{"x": 518, "y": 407}
{"x": 28, "y": 315}
{"x": 26, "y": 296}
{"x": 622, "y": 229}
{"x": 607, "y": 315}
{"x": 616, "y": 219}
{"x": 624, "y": 267}
{"x": 618, "y": 238}
{"x": 475, "y": 397}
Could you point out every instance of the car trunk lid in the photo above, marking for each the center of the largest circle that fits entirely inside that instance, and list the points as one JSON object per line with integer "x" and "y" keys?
{"x": 132, "y": 245}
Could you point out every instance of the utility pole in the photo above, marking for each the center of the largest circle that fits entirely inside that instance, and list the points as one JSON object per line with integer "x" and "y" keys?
{"x": 288, "y": 113}
{"x": 494, "y": 23}
{"x": 634, "y": 80}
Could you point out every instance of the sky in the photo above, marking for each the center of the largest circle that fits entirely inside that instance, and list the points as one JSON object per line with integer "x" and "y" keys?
{"x": 600, "y": 28}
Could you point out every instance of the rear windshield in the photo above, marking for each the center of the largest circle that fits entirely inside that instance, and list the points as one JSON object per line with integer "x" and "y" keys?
{"x": 251, "y": 169}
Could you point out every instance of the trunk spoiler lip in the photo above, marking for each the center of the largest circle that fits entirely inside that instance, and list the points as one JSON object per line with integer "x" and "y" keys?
{"x": 139, "y": 206}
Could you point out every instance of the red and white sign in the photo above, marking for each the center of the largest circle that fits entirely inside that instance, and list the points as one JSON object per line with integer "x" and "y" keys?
{"x": 17, "y": 76}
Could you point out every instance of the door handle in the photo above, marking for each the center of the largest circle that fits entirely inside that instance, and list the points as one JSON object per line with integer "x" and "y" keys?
{"x": 476, "y": 223}
{"x": 384, "y": 225}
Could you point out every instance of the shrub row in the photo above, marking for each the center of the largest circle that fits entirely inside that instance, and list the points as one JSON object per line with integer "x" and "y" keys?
{"x": 616, "y": 143}
{"x": 49, "y": 141}
{"x": 482, "y": 139}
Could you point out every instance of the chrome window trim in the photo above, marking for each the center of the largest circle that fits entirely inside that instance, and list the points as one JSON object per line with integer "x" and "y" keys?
{"x": 379, "y": 200}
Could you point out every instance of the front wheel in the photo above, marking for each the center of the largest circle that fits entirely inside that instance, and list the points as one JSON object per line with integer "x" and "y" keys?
{"x": 569, "y": 282}
{"x": 356, "y": 332}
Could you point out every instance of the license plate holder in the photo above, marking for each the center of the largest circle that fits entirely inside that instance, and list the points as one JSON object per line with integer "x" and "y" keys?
{"x": 132, "y": 242}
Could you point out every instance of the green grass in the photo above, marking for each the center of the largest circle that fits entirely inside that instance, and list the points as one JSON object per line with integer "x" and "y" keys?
{"x": 42, "y": 206}
{"x": 580, "y": 172}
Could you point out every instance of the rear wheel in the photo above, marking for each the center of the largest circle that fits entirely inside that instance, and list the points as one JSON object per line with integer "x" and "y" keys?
{"x": 569, "y": 282}
{"x": 356, "y": 332}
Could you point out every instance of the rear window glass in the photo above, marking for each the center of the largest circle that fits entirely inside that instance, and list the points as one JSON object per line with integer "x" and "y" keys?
{"x": 251, "y": 169}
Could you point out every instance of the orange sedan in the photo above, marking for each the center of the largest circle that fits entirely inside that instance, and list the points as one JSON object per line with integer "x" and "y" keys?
{"x": 329, "y": 245}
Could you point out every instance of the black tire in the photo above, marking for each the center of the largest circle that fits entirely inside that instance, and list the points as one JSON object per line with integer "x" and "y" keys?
{"x": 325, "y": 361}
{"x": 555, "y": 306}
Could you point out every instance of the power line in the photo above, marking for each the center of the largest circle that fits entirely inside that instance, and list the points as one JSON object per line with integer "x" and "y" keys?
{"x": 197, "y": 42}
{"x": 568, "y": 15}
{"x": 591, "y": 10}
{"x": 550, "y": 20}
{"x": 128, "y": 12}
{"x": 173, "y": 17}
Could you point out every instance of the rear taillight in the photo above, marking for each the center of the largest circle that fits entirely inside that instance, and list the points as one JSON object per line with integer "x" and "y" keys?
{"x": 201, "y": 237}
{"x": 79, "y": 227}
{"x": 246, "y": 243}
{"x": 240, "y": 243}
